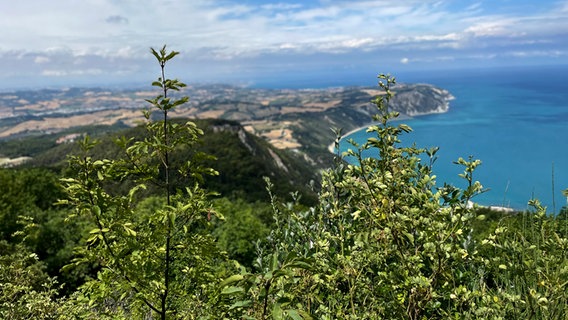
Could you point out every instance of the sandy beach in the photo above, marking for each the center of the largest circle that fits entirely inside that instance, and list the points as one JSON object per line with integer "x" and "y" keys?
{"x": 401, "y": 117}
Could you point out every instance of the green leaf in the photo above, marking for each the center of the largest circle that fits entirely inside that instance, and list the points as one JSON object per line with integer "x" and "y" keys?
{"x": 231, "y": 279}
{"x": 232, "y": 290}
{"x": 300, "y": 263}
{"x": 129, "y": 231}
{"x": 171, "y": 55}
{"x": 172, "y": 217}
{"x": 133, "y": 191}
{"x": 240, "y": 304}
{"x": 305, "y": 315}
{"x": 294, "y": 314}
{"x": 409, "y": 236}
{"x": 405, "y": 128}
{"x": 96, "y": 210}
{"x": 274, "y": 265}
{"x": 277, "y": 312}
{"x": 156, "y": 54}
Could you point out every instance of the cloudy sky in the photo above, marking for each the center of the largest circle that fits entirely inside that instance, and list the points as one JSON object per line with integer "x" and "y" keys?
{"x": 66, "y": 42}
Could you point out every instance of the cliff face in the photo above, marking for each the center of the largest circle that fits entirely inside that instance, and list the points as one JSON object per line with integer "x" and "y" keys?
{"x": 354, "y": 110}
{"x": 420, "y": 99}
{"x": 409, "y": 99}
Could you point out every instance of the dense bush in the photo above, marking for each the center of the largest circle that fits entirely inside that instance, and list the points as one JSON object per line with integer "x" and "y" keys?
{"x": 386, "y": 242}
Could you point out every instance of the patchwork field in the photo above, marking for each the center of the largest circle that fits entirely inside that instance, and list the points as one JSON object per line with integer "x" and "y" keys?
{"x": 286, "y": 118}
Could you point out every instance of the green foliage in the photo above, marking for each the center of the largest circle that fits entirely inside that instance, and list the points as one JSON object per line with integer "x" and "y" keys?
{"x": 525, "y": 266}
{"x": 385, "y": 242}
{"x": 244, "y": 160}
{"x": 37, "y": 146}
{"x": 241, "y": 165}
{"x": 245, "y": 225}
{"x": 29, "y": 196}
{"x": 25, "y": 193}
{"x": 157, "y": 257}
{"x": 26, "y": 291}
{"x": 33, "y": 145}
{"x": 394, "y": 243}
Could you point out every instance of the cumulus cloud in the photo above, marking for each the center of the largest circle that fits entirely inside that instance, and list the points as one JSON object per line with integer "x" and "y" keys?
{"x": 404, "y": 60}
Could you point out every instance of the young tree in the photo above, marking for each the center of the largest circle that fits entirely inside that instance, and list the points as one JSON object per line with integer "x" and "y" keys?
{"x": 156, "y": 257}
{"x": 382, "y": 243}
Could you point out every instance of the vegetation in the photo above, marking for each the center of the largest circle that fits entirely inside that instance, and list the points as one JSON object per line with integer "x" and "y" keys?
{"x": 153, "y": 252}
{"x": 382, "y": 239}
{"x": 241, "y": 159}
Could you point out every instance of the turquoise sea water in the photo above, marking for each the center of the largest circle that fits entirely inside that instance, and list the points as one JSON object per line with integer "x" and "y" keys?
{"x": 514, "y": 120}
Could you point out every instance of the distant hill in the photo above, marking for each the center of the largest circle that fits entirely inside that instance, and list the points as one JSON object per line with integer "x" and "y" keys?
{"x": 298, "y": 120}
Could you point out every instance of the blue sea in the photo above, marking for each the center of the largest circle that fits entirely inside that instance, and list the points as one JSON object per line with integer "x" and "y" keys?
{"x": 515, "y": 120}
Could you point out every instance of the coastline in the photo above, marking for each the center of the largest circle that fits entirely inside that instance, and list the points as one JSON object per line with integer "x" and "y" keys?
{"x": 401, "y": 117}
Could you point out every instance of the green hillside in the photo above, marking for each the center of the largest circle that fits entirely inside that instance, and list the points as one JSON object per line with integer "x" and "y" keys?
{"x": 242, "y": 159}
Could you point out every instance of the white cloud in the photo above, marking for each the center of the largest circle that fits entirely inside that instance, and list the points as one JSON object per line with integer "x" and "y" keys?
{"x": 65, "y": 73}
{"x": 41, "y": 59}
{"x": 54, "y": 73}
{"x": 476, "y": 7}
{"x": 242, "y": 29}
{"x": 281, "y": 6}
{"x": 288, "y": 46}
{"x": 107, "y": 34}
{"x": 537, "y": 53}
{"x": 564, "y": 6}
{"x": 356, "y": 43}
{"x": 490, "y": 28}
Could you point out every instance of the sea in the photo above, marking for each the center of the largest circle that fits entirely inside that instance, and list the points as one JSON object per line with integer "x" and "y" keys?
{"x": 515, "y": 120}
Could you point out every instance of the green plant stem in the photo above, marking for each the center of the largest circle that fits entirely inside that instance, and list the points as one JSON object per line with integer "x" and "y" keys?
{"x": 265, "y": 305}
{"x": 168, "y": 198}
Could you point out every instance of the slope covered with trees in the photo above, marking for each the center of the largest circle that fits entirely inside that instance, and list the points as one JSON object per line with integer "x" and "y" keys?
{"x": 241, "y": 158}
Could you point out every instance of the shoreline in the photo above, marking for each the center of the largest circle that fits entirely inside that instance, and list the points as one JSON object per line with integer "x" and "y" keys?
{"x": 401, "y": 117}
{"x": 471, "y": 204}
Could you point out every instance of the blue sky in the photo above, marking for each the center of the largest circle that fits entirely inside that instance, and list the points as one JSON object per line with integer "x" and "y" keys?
{"x": 71, "y": 42}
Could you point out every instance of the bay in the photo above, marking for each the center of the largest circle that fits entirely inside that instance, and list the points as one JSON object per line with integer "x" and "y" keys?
{"x": 515, "y": 120}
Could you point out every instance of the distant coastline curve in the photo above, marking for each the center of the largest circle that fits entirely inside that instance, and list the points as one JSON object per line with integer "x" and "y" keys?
{"x": 410, "y": 100}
